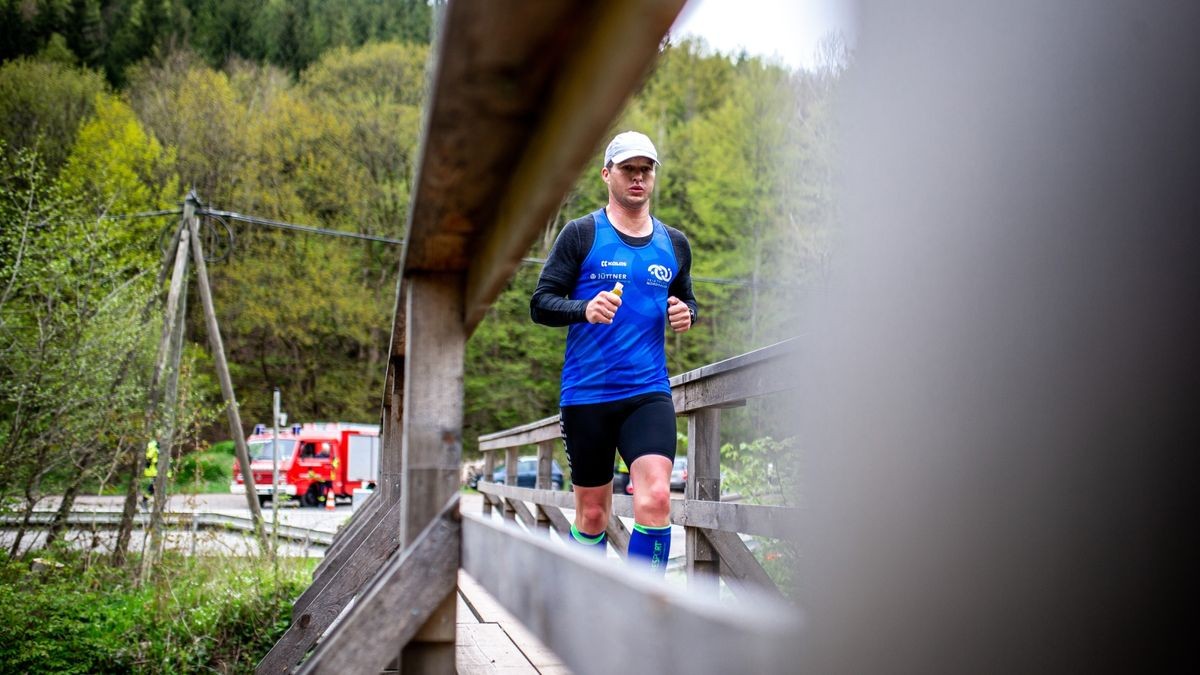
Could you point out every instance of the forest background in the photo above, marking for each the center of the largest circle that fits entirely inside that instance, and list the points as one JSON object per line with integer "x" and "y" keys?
{"x": 310, "y": 113}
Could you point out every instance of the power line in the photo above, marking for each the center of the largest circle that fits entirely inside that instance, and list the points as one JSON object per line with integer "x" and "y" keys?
{"x": 144, "y": 214}
{"x": 279, "y": 224}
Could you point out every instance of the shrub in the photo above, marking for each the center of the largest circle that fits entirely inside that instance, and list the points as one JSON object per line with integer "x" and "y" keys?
{"x": 204, "y": 614}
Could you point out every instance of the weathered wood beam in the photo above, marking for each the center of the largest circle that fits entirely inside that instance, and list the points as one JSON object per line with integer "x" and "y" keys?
{"x": 703, "y": 483}
{"x": 352, "y": 534}
{"x": 323, "y": 601}
{"x": 557, "y": 520}
{"x": 738, "y": 561}
{"x": 618, "y": 535}
{"x": 522, "y": 512}
{"x": 658, "y": 626}
{"x": 402, "y": 597}
{"x": 382, "y": 535}
{"x": 765, "y": 521}
{"x": 731, "y": 382}
{"x": 526, "y": 434}
{"x": 432, "y": 436}
{"x": 593, "y": 83}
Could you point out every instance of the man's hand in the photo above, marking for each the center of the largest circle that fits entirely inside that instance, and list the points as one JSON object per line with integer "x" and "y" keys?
{"x": 679, "y": 315}
{"x": 603, "y": 307}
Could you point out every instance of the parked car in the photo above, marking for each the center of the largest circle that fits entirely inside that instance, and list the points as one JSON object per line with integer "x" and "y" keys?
{"x": 527, "y": 474}
{"x": 679, "y": 474}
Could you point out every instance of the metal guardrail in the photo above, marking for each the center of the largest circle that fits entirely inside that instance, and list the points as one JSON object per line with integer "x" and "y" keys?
{"x": 200, "y": 520}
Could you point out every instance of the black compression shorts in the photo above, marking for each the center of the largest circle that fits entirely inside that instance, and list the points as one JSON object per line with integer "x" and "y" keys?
{"x": 637, "y": 426}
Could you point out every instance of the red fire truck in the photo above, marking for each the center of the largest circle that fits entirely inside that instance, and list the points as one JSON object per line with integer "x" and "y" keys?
{"x": 317, "y": 461}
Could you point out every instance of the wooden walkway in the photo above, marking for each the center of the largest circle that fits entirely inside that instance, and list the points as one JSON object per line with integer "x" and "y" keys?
{"x": 490, "y": 640}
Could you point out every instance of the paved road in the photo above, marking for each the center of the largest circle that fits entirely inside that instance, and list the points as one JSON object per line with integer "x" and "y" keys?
{"x": 290, "y": 514}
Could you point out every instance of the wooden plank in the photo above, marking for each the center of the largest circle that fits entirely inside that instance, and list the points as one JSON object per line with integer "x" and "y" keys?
{"x": 323, "y": 601}
{"x": 766, "y": 521}
{"x": 756, "y": 373}
{"x": 780, "y": 522}
{"x": 618, "y": 536}
{"x": 490, "y": 611}
{"x": 557, "y": 520}
{"x": 510, "y": 479}
{"x": 484, "y": 649}
{"x": 738, "y": 562}
{"x": 373, "y": 543}
{"x": 464, "y": 613}
{"x": 657, "y": 626}
{"x": 523, "y": 513}
{"x": 489, "y": 468}
{"x": 352, "y": 534}
{"x": 399, "y": 600}
{"x": 432, "y": 437}
{"x": 507, "y": 436}
{"x": 482, "y": 603}
{"x": 592, "y": 83}
{"x": 703, "y": 483}
{"x": 391, "y": 442}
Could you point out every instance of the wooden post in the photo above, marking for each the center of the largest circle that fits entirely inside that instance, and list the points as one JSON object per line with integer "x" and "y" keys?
{"x": 545, "y": 455}
{"x": 510, "y": 478}
{"x": 703, "y": 482}
{"x": 432, "y": 440}
{"x": 231, "y": 405}
{"x": 489, "y": 468}
{"x": 173, "y": 329}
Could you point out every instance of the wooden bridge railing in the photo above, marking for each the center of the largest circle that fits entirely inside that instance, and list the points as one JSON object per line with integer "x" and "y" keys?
{"x": 714, "y": 548}
{"x": 522, "y": 96}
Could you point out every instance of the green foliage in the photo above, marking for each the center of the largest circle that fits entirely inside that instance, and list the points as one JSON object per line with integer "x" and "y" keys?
{"x": 762, "y": 471}
{"x": 767, "y": 471}
{"x": 69, "y": 285}
{"x": 42, "y": 104}
{"x": 200, "y": 615}
{"x": 513, "y": 366}
{"x": 112, "y": 35}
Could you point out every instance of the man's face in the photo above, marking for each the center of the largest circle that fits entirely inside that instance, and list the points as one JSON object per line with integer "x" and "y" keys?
{"x": 631, "y": 181}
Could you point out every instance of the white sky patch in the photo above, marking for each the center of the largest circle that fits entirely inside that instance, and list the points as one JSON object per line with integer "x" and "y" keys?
{"x": 784, "y": 30}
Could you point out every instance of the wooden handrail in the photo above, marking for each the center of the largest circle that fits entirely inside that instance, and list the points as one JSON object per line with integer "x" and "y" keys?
{"x": 713, "y": 526}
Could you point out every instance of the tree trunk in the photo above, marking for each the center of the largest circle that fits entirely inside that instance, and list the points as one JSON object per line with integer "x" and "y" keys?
{"x": 30, "y": 502}
{"x": 59, "y": 524}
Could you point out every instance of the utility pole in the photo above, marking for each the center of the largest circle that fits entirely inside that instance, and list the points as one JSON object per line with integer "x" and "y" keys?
{"x": 218, "y": 349}
{"x": 274, "y": 472}
{"x": 173, "y": 321}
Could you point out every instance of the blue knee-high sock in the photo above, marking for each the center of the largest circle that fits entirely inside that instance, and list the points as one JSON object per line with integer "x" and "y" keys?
{"x": 594, "y": 542}
{"x": 650, "y": 544}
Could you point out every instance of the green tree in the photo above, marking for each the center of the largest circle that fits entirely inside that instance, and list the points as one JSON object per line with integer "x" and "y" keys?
{"x": 64, "y": 332}
{"x": 41, "y": 106}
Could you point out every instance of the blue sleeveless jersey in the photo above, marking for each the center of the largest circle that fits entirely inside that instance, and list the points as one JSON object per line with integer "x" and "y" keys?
{"x": 609, "y": 362}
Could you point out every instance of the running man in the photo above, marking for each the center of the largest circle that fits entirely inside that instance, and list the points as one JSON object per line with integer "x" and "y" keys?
{"x": 615, "y": 393}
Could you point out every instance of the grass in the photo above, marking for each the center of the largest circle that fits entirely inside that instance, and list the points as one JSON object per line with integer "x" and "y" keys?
{"x": 205, "y": 472}
{"x": 199, "y": 614}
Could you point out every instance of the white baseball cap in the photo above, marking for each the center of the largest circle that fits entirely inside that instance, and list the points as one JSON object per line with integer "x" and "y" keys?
{"x": 629, "y": 144}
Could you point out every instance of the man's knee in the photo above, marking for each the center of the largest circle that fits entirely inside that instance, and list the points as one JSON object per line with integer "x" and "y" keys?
{"x": 593, "y": 518}
{"x": 653, "y": 501}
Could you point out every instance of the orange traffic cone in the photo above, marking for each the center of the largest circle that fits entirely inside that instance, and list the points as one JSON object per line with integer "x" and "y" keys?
{"x": 330, "y": 500}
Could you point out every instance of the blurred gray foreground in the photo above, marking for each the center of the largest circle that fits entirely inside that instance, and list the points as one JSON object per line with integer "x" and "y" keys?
{"x": 996, "y": 405}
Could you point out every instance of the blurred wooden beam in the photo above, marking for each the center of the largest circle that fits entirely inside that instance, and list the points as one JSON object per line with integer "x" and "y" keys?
{"x": 523, "y": 95}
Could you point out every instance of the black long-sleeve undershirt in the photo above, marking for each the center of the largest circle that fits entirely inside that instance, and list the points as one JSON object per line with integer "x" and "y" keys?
{"x": 551, "y": 305}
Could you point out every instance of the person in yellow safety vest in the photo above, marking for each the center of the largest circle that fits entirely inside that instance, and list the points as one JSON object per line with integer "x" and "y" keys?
{"x": 151, "y": 470}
